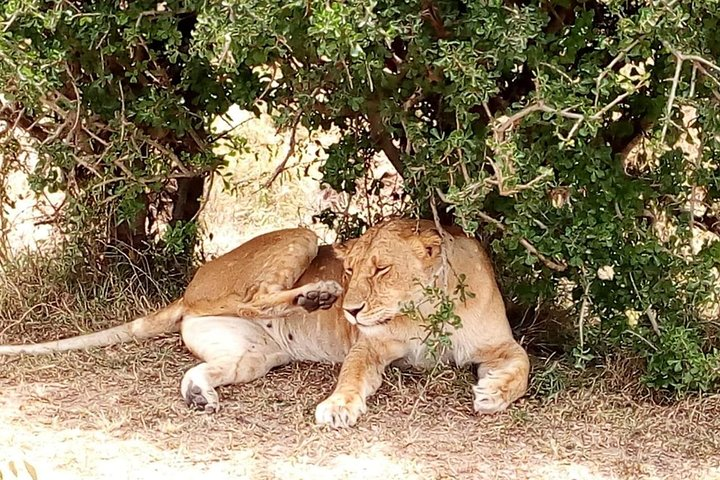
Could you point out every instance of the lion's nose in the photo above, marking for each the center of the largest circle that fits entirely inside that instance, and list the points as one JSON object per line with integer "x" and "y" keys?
{"x": 354, "y": 310}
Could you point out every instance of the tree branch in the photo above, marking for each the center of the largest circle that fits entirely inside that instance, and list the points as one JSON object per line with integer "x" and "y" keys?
{"x": 291, "y": 149}
{"x": 430, "y": 13}
{"x": 671, "y": 98}
{"x": 551, "y": 264}
{"x": 558, "y": 267}
{"x": 380, "y": 136}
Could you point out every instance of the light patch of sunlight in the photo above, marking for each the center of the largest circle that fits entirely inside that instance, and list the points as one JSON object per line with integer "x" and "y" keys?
{"x": 569, "y": 471}
{"x": 57, "y": 453}
{"x": 376, "y": 462}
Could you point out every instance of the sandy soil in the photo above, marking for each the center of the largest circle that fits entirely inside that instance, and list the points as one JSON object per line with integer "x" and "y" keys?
{"x": 116, "y": 413}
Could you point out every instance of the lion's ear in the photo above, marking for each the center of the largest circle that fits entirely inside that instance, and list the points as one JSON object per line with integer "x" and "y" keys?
{"x": 342, "y": 249}
{"x": 431, "y": 242}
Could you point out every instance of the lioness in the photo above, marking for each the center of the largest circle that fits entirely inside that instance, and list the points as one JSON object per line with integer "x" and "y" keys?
{"x": 272, "y": 301}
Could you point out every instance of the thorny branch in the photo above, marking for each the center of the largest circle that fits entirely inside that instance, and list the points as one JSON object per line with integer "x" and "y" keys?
{"x": 610, "y": 66}
{"x": 551, "y": 264}
{"x": 540, "y": 106}
{"x": 699, "y": 64}
{"x": 558, "y": 267}
{"x": 671, "y": 98}
{"x": 291, "y": 149}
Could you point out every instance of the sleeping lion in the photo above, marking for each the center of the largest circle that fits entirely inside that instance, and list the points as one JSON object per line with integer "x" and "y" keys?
{"x": 280, "y": 298}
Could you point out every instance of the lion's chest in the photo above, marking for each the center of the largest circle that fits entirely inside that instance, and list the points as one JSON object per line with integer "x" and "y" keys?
{"x": 421, "y": 355}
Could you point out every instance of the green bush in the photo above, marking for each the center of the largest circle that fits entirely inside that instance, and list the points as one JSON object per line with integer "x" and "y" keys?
{"x": 556, "y": 130}
{"x": 680, "y": 364}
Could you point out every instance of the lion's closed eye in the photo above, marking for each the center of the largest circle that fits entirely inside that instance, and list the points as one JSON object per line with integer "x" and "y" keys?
{"x": 380, "y": 271}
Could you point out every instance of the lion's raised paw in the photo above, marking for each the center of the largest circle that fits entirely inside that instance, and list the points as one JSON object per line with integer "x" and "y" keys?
{"x": 319, "y": 295}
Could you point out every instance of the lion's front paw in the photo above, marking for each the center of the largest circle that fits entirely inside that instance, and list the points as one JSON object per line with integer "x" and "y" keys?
{"x": 340, "y": 410}
{"x": 490, "y": 396}
{"x": 319, "y": 295}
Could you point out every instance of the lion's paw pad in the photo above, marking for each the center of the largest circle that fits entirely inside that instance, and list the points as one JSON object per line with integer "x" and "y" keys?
{"x": 199, "y": 399}
{"x": 320, "y": 295}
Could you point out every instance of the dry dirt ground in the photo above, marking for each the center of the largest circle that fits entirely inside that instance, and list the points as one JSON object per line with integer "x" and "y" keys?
{"x": 116, "y": 413}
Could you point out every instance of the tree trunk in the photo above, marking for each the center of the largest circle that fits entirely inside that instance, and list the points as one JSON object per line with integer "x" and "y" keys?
{"x": 186, "y": 200}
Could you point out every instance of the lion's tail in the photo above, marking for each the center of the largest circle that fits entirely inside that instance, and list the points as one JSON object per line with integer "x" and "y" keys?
{"x": 165, "y": 320}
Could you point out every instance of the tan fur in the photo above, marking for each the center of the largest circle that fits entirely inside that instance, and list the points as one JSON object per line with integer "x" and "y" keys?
{"x": 387, "y": 267}
{"x": 254, "y": 280}
{"x": 242, "y": 315}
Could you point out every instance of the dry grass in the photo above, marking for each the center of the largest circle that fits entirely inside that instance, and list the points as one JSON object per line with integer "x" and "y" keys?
{"x": 117, "y": 413}
{"x": 239, "y": 206}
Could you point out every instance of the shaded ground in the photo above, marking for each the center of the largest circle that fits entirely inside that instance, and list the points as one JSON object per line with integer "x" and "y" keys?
{"x": 116, "y": 413}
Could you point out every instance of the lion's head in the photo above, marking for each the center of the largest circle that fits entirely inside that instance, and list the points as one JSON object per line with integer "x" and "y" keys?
{"x": 388, "y": 267}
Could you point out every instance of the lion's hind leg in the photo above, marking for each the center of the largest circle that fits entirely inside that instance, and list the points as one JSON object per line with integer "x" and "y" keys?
{"x": 259, "y": 280}
{"x": 233, "y": 350}
{"x": 503, "y": 376}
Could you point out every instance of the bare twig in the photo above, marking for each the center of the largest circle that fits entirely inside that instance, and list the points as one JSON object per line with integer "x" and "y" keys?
{"x": 648, "y": 310}
{"x": 58, "y": 131}
{"x": 498, "y": 182}
{"x": 156, "y": 178}
{"x": 540, "y": 106}
{"x": 563, "y": 113}
{"x": 463, "y": 168}
{"x": 170, "y": 154}
{"x": 610, "y": 66}
{"x": 11, "y": 20}
{"x": 610, "y": 105}
{"x": 671, "y": 98}
{"x": 207, "y": 191}
{"x": 88, "y": 167}
{"x": 444, "y": 238}
{"x": 347, "y": 71}
{"x": 693, "y": 77}
{"x": 574, "y": 129}
{"x": 558, "y": 267}
{"x": 93, "y": 135}
{"x": 557, "y": 70}
{"x": 227, "y": 132}
{"x": 510, "y": 121}
{"x": 696, "y": 59}
{"x": 652, "y": 316}
{"x": 486, "y": 109}
{"x": 118, "y": 162}
{"x": 78, "y": 98}
{"x": 291, "y": 149}
{"x": 634, "y": 333}
{"x": 583, "y": 310}
{"x": 122, "y": 112}
{"x": 269, "y": 85}
{"x": 709, "y": 75}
